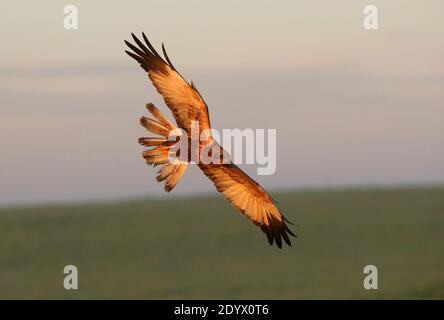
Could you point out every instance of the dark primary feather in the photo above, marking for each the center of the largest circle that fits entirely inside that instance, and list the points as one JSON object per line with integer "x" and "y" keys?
{"x": 167, "y": 58}
{"x": 148, "y": 58}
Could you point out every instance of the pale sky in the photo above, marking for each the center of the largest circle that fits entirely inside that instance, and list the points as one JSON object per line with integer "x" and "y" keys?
{"x": 351, "y": 106}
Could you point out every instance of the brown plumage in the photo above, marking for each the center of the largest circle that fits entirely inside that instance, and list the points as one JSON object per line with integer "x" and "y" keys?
{"x": 187, "y": 105}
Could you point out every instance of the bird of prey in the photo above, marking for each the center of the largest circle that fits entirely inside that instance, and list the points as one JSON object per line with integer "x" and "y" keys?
{"x": 187, "y": 105}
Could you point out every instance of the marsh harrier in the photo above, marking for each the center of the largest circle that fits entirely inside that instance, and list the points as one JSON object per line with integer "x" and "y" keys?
{"x": 187, "y": 106}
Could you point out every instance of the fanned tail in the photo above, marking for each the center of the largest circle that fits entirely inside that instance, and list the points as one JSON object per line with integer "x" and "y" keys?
{"x": 161, "y": 148}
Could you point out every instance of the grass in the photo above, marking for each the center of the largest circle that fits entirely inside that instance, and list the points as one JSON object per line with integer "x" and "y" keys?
{"x": 190, "y": 248}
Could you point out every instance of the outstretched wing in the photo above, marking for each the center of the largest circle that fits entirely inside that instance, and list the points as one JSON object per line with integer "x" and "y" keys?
{"x": 183, "y": 99}
{"x": 248, "y": 197}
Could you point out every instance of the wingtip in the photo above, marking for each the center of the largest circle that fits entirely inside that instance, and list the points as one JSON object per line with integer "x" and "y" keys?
{"x": 276, "y": 232}
{"x": 286, "y": 220}
{"x": 166, "y": 57}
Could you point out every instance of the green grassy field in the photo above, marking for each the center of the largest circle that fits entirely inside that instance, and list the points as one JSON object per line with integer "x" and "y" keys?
{"x": 200, "y": 248}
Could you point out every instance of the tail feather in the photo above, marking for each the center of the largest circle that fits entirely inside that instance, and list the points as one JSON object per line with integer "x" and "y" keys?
{"x": 152, "y": 142}
{"x": 172, "y": 169}
{"x": 159, "y": 116}
{"x": 155, "y": 156}
{"x": 165, "y": 172}
{"x": 154, "y": 126}
{"x": 175, "y": 176}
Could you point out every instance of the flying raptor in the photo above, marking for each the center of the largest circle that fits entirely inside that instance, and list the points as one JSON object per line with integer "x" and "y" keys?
{"x": 187, "y": 106}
